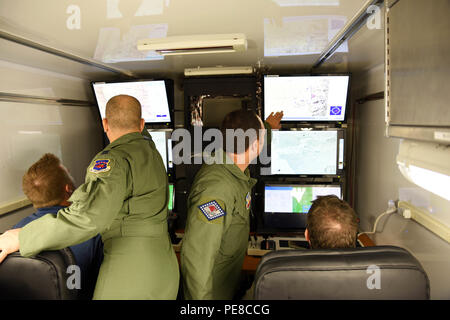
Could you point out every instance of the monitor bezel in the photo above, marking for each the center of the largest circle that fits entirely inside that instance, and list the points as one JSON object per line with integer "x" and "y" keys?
{"x": 339, "y": 172}
{"x": 308, "y": 75}
{"x": 169, "y": 85}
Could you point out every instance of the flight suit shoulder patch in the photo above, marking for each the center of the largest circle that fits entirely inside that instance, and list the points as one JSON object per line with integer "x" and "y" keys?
{"x": 248, "y": 200}
{"x": 212, "y": 210}
{"x": 101, "y": 165}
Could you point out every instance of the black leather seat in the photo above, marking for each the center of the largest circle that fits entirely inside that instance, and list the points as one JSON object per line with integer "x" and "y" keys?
{"x": 341, "y": 274}
{"x": 43, "y": 277}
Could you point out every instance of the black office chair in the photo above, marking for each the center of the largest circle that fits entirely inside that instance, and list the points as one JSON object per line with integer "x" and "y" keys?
{"x": 43, "y": 277}
{"x": 384, "y": 272}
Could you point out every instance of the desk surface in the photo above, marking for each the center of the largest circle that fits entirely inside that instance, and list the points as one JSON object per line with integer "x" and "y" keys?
{"x": 251, "y": 262}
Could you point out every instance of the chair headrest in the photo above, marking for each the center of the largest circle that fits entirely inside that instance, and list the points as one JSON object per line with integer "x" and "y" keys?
{"x": 43, "y": 277}
{"x": 382, "y": 272}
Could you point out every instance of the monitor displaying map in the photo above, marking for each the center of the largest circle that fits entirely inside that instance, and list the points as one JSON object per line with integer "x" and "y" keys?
{"x": 306, "y": 98}
{"x": 304, "y": 152}
{"x": 295, "y": 198}
{"x": 151, "y": 94}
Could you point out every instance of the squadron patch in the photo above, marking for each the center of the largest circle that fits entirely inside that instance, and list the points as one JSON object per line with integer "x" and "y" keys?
{"x": 248, "y": 200}
{"x": 100, "y": 166}
{"x": 212, "y": 210}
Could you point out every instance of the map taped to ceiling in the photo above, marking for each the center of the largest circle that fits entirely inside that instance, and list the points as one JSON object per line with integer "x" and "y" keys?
{"x": 301, "y": 35}
{"x": 113, "y": 47}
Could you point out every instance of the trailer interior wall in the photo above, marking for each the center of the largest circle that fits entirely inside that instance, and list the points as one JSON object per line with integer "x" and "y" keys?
{"x": 378, "y": 180}
{"x": 29, "y": 130}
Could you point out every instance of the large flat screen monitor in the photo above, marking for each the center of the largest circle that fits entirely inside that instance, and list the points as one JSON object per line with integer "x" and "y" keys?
{"x": 286, "y": 205}
{"x": 295, "y": 198}
{"x": 154, "y": 96}
{"x": 306, "y": 98}
{"x": 314, "y": 152}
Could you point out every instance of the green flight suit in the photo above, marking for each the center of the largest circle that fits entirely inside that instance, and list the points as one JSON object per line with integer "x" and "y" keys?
{"x": 216, "y": 239}
{"x": 124, "y": 198}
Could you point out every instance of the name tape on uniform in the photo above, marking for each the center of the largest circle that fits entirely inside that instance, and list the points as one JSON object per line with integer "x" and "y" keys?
{"x": 212, "y": 210}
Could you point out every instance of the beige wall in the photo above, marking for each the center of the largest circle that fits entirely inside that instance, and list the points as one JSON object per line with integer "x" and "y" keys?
{"x": 378, "y": 180}
{"x": 29, "y": 130}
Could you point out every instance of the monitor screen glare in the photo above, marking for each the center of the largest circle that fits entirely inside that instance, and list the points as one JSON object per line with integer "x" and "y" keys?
{"x": 159, "y": 138}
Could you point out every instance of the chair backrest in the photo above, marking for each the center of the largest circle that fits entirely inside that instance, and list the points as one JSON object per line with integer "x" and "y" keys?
{"x": 43, "y": 277}
{"x": 383, "y": 272}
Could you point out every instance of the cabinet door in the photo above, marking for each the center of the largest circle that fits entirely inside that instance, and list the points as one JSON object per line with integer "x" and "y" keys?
{"x": 418, "y": 69}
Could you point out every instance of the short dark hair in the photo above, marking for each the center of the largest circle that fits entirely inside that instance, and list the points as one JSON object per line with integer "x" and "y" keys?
{"x": 331, "y": 223}
{"x": 244, "y": 120}
{"x": 45, "y": 180}
{"x": 123, "y": 112}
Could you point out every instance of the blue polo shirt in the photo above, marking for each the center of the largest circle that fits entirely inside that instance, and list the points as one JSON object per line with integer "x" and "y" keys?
{"x": 88, "y": 254}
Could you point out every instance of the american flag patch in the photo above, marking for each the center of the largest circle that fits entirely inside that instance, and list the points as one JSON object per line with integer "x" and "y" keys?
{"x": 212, "y": 210}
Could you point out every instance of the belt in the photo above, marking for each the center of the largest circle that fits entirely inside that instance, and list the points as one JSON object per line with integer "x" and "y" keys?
{"x": 135, "y": 229}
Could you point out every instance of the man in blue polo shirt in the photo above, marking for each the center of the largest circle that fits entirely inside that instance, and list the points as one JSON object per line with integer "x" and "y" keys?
{"x": 49, "y": 185}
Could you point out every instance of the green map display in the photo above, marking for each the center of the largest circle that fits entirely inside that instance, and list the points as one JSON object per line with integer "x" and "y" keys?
{"x": 301, "y": 199}
{"x": 170, "y": 197}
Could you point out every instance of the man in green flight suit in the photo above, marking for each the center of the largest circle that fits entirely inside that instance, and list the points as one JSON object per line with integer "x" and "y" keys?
{"x": 218, "y": 223}
{"x": 124, "y": 198}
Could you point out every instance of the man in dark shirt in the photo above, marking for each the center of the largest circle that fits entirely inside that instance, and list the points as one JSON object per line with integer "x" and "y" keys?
{"x": 48, "y": 185}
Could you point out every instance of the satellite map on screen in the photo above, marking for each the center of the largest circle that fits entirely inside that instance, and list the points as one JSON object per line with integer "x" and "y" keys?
{"x": 306, "y": 98}
{"x": 293, "y": 198}
{"x": 304, "y": 152}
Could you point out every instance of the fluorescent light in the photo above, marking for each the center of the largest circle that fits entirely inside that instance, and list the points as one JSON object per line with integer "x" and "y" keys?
{"x": 217, "y": 71}
{"x": 432, "y": 181}
{"x": 426, "y": 165}
{"x": 195, "y": 44}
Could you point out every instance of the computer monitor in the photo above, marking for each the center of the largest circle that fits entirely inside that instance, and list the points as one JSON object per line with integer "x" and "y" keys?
{"x": 295, "y": 198}
{"x": 155, "y": 97}
{"x": 171, "y": 197}
{"x": 312, "y": 152}
{"x": 286, "y": 205}
{"x": 163, "y": 143}
{"x": 306, "y": 98}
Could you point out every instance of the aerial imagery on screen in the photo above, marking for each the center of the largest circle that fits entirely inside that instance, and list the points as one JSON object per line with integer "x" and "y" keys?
{"x": 315, "y": 152}
{"x": 315, "y": 98}
{"x": 295, "y": 198}
{"x": 151, "y": 94}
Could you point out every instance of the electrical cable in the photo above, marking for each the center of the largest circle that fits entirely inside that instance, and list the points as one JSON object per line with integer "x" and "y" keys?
{"x": 389, "y": 211}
